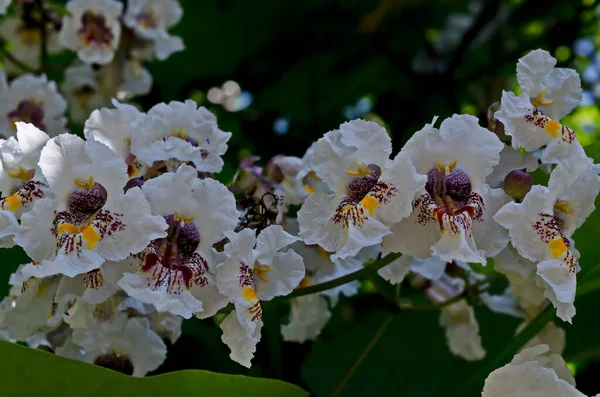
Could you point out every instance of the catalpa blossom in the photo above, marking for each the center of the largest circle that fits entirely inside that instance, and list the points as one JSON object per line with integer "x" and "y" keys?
{"x": 458, "y": 319}
{"x": 452, "y": 214}
{"x": 32, "y": 100}
{"x": 178, "y": 133}
{"x": 534, "y": 372}
{"x": 150, "y": 20}
{"x": 176, "y": 273}
{"x": 532, "y": 119}
{"x": 256, "y": 269}
{"x": 92, "y": 29}
{"x": 88, "y": 220}
{"x": 541, "y": 227}
{"x": 30, "y": 306}
{"x": 26, "y": 40}
{"x": 131, "y": 347}
{"x": 21, "y": 181}
{"x": 370, "y": 191}
{"x": 114, "y": 128}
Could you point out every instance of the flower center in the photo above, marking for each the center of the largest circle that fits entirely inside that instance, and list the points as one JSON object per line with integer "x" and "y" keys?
{"x": 21, "y": 173}
{"x": 115, "y": 361}
{"x": 93, "y": 29}
{"x": 88, "y": 199}
{"x": 448, "y": 186}
{"x": 261, "y": 271}
{"x": 147, "y": 19}
{"x": 182, "y": 238}
{"x": 30, "y": 36}
{"x": 363, "y": 181}
{"x": 539, "y": 101}
{"x": 181, "y": 133}
{"x": 29, "y": 111}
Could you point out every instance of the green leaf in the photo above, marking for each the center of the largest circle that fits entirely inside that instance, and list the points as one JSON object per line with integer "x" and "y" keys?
{"x": 388, "y": 353}
{"x": 29, "y": 372}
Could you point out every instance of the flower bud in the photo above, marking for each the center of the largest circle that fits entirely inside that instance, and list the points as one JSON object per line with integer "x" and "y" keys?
{"x": 517, "y": 184}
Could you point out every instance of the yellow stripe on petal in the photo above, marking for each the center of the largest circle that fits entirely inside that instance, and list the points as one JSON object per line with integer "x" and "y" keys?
{"x": 13, "y": 202}
{"x": 309, "y": 189}
{"x": 91, "y": 236}
{"x": 552, "y": 127}
{"x": 67, "y": 227}
{"x": 370, "y": 203}
{"x": 249, "y": 294}
{"x": 557, "y": 247}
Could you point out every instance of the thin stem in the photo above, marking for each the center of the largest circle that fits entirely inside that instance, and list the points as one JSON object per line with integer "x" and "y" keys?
{"x": 44, "y": 40}
{"x": 11, "y": 58}
{"x": 357, "y": 275}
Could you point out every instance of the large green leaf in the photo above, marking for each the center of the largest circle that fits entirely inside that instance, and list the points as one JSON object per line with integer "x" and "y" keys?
{"x": 28, "y": 372}
{"x": 390, "y": 353}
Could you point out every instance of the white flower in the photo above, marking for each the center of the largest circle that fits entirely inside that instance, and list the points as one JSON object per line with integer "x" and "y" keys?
{"x": 462, "y": 331}
{"x": 84, "y": 91}
{"x": 452, "y": 215}
{"x": 370, "y": 191}
{"x": 114, "y": 127}
{"x": 134, "y": 348}
{"x": 136, "y": 80}
{"x": 552, "y": 335}
{"x": 32, "y": 100}
{"x": 431, "y": 268}
{"x": 541, "y": 227}
{"x": 21, "y": 182}
{"x": 255, "y": 269}
{"x": 176, "y": 273}
{"x": 532, "y": 118}
{"x": 89, "y": 219}
{"x": 92, "y": 29}
{"x": 532, "y": 373}
{"x": 510, "y": 160}
{"x": 151, "y": 19}
{"x": 26, "y": 43}
{"x": 308, "y": 316}
{"x": 182, "y": 132}
{"x": 458, "y": 319}
{"x": 30, "y": 307}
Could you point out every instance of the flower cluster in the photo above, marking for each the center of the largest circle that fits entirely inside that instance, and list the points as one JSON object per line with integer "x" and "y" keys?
{"x": 111, "y": 41}
{"x": 129, "y": 231}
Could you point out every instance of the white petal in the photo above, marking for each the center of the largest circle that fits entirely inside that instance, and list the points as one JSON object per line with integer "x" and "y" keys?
{"x": 308, "y": 316}
{"x": 287, "y": 270}
{"x": 462, "y": 331}
{"x": 490, "y": 236}
{"x": 461, "y": 139}
{"x": 519, "y": 219}
{"x": 356, "y": 142}
{"x": 513, "y": 113}
{"x": 560, "y": 285}
{"x": 532, "y": 69}
{"x": 241, "y": 344}
{"x": 272, "y": 239}
{"x": 564, "y": 88}
{"x": 412, "y": 237}
{"x": 139, "y": 227}
{"x": 403, "y": 177}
